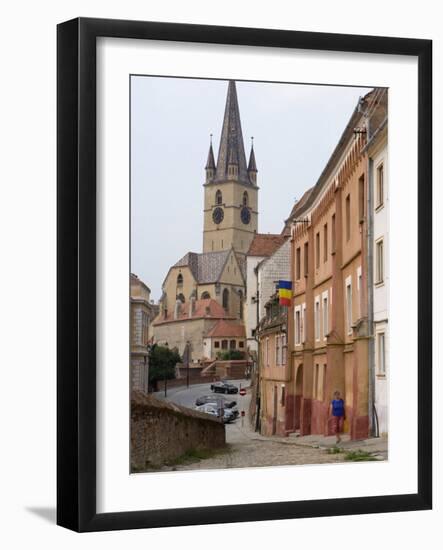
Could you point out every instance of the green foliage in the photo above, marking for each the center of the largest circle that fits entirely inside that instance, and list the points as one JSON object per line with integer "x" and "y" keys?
{"x": 231, "y": 354}
{"x": 335, "y": 450}
{"x": 162, "y": 361}
{"x": 359, "y": 456}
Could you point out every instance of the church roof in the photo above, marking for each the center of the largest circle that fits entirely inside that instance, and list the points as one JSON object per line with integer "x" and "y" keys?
{"x": 203, "y": 309}
{"x": 231, "y": 142}
{"x": 227, "y": 329}
{"x": 206, "y": 267}
{"x": 265, "y": 244}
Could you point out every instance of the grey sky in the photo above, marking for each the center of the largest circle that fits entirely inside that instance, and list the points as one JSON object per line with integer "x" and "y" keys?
{"x": 295, "y": 129}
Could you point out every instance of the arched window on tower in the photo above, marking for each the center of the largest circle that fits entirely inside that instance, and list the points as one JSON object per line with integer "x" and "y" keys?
{"x": 179, "y": 279}
{"x": 181, "y": 298}
{"x": 226, "y": 299}
{"x": 205, "y": 296}
{"x": 218, "y": 197}
{"x": 245, "y": 198}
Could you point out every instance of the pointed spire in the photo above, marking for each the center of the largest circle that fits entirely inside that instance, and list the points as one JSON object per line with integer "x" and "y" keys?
{"x": 231, "y": 149}
{"x": 210, "y": 164}
{"x": 252, "y": 166}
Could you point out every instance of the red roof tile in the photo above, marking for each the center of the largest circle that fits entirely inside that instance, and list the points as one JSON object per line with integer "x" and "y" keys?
{"x": 227, "y": 329}
{"x": 208, "y": 308}
{"x": 265, "y": 244}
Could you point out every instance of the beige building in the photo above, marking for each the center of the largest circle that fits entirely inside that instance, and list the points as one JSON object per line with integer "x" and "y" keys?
{"x": 223, "y": 337}
{"x": 189, "y": 322}
{"x": 142, "y": 314}
{"x": 212, "y": 275}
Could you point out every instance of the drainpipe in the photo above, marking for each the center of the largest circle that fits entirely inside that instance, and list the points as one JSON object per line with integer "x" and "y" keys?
{"x": 370, "y": 279}
{"x": 257, "y": 378}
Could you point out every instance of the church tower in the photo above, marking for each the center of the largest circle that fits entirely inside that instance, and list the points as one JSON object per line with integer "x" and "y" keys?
{"x": 231, "y": 192}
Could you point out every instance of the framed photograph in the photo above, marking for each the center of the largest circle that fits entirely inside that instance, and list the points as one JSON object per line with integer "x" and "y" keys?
{"x": 244, "y": 274}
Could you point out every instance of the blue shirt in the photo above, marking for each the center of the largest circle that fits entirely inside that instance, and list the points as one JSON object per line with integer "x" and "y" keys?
{"x": 338, "y": 407}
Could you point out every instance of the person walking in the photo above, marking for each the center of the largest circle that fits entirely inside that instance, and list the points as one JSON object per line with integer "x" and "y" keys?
{"x": 337, "y": 412}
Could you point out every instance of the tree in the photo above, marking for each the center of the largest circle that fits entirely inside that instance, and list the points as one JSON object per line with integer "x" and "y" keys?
{"x": 162, "y": 361}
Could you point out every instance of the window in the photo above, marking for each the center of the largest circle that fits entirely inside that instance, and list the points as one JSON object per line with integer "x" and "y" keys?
{"x": 267, "y": 352}
{"x": 317, "y": 250}
{"x": 381, "y": 353}
{"x": 205, "y": 296}
{"x": 316, "y": 372}
{"x": 379, "y": 262}
{"x": 317, "y": 319}
{"x": 325, "y": 242}
{"x": 232, "y": 344}
{"x": 277, "y": 350}
{"x": 216, "y": 344}
{"x": 325, "y": 317}
{"x": 245, "y": 198}
{"x": 179, "y": 279}
{"x": 333, "y": 233}
{"x": 349, "y": 307}
{"x": 283, "y": 349}
{"x": 303, "y": 323}
{"x": 225, "y": 299}
{"x": 240, "y": 299}
{"x": 241, "y": 344}
{"x": 348, "y": 217}
{"x": 359, "y": 289}
{"x": 224, "y": 344}
{"x": 297, "y": 263}
{"x": 379, "y": 190}
{"x": 283, "y": 396}
{"x": 297, "y": 327}
{"x": 361, "y": 198}
{"x": 218, "y": 197}
{"x": 305, "y": 259}
{"x": 181, "y": 298}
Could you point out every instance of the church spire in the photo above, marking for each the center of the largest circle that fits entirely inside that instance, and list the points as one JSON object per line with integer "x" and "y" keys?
{"x": 231, "y": 163}
{"x": 210, "y": 163}
{"x": 252, "y": 166}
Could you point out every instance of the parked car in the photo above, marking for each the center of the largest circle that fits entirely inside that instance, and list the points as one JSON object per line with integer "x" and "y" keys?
{"x": 223, "y": 387}
{"x": 210, "y": 399}
{"x": 212, "y": 409}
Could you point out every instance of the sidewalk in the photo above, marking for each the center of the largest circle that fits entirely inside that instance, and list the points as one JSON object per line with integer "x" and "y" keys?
{"x": 375, "y": 445}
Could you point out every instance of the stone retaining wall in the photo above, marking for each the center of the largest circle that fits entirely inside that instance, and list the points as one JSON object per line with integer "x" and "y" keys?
{"x": 162, "y": 431}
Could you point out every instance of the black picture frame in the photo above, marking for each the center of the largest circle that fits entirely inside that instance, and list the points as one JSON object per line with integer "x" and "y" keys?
{"x": 76, "y": 264}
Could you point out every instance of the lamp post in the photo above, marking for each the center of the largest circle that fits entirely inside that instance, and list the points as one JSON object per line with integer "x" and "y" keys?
{"x": 186, "y": 357}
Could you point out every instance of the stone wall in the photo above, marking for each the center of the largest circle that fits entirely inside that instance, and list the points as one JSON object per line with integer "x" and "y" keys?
{"x": 162, "y": 432}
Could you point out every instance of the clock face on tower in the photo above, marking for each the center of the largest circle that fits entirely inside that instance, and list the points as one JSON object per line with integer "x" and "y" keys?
{"x": 218, "y": 215}
{"x": 245, "y": 215}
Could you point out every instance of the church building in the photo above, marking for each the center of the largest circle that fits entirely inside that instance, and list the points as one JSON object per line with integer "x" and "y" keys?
{"x": 230, "y": 223}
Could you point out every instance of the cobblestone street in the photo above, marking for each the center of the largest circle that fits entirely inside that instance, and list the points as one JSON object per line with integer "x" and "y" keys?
{"x": 245, "y": 447}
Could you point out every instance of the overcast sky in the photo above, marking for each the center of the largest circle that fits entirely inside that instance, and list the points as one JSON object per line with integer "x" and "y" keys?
{"x": 295, "y": 129}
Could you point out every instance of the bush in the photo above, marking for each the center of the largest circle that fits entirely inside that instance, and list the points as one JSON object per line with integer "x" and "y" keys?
{"x": 229, "y": 355}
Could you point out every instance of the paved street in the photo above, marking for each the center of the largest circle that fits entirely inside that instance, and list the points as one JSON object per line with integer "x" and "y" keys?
{"x": 245, "y": 447}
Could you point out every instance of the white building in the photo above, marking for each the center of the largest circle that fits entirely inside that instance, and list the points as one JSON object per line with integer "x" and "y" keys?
{"x": 261, "y": 248}
{"x": 379, "y": 187}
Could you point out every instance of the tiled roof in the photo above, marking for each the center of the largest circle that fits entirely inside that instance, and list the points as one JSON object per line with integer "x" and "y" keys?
{"x": 206, "y": 267}
{"x": 296, "y": 208}
{"x": 209, "y": 309}
{"x": 227, "y": 329}
{"x": 265, "y": 244}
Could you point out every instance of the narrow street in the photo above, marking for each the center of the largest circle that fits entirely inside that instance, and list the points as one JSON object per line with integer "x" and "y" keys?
{"x": 245, "y": 447}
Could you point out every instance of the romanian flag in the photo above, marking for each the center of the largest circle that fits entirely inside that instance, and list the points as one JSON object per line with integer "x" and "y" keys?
{"x": 285, "y": 293}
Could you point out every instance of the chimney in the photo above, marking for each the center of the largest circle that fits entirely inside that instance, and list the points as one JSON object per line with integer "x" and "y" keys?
{"x": 177, "y": 309}
{"x": 191, "y": 306}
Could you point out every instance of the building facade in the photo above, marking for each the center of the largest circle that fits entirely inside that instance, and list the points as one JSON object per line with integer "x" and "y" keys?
{"x": 379, "y": 202}
{"x": 142, "y": 315}
{"x": 330, "y": 335}
{"x": 274, "y": 370}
